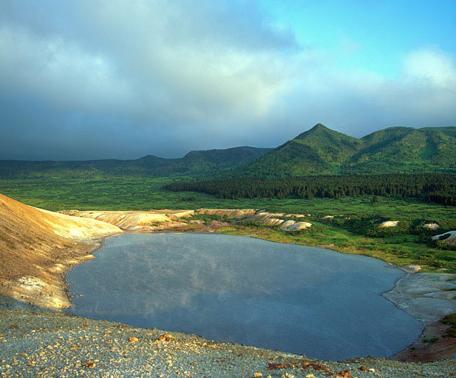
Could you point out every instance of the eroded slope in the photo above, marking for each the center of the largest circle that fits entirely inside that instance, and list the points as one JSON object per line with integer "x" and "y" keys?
{"x": 37, "y": 246}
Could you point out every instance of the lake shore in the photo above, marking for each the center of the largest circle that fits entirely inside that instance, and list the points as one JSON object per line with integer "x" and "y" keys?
{"x": 89, "y": 245}
{"x": 37, "y": 342}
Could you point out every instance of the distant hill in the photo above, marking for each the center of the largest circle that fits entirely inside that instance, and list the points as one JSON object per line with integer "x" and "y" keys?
{"x": 195, "y": 163}
{"x": 394, "y": 150}
{"x": 318, "y": 151}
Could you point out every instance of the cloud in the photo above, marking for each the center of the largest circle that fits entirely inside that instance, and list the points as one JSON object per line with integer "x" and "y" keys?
{"x": 59, "y": 71}
{"x": 432, "y": 67}
{"x": 86, "y": 79}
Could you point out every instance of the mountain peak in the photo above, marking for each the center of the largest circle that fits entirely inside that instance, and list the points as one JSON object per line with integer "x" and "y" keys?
{"x": 318, "y": 129}
{"x": 319, "y": 126}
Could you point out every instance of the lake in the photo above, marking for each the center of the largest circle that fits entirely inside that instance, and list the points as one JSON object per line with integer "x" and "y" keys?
{"x": 286, "y": 297}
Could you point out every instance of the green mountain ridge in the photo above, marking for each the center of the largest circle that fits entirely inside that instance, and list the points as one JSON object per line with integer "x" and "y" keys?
{"x": 195, "y": 163}
{"x": 318, "y": 151}
{"x": 321, "y": 150}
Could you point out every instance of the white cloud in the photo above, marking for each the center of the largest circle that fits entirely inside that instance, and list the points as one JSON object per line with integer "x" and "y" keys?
{"x": 432, "y": 66}
{"x": 200, "y": 74}
{"x": 58, "y": 70}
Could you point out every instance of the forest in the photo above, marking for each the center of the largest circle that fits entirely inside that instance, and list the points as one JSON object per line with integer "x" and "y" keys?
{"x": 433, "y": 188}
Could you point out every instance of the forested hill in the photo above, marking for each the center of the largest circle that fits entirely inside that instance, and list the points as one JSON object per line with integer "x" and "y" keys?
{"x": 394, "y": 150}
{"x": 432, "y": 187}
{"x": 195, "y": 163}
{"x": 318, "y": 151}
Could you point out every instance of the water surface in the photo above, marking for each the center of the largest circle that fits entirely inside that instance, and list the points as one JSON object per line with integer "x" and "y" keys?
{"x": 286, "y": 297}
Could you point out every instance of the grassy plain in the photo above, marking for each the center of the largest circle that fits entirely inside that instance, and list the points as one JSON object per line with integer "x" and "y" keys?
{"x": 353, "y": 230}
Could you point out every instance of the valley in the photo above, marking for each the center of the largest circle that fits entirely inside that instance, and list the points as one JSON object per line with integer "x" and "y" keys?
{"x": 86, "y": 202}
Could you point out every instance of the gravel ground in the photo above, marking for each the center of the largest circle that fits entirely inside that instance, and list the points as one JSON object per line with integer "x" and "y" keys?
{"x": 34, "y": 342}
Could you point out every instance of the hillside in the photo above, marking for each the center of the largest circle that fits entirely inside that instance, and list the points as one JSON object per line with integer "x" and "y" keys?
{"x": 195, "y": 163}
{"x": 35, "y": 247}
{"x": 394, "y": 150}
{"x": 403, "y": 149}
{"x": 318, "y": 151}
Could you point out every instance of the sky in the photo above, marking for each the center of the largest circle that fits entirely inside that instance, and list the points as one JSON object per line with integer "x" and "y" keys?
{"x": 95, "y": 79}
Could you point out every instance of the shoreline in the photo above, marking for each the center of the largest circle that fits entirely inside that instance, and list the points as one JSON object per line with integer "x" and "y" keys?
{"x": 56, "y": 344}
{"x": 83, "y": 250}
{"x": 408, "y": 354}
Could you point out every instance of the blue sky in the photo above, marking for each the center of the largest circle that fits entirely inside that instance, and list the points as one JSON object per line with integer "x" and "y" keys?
{"x": 379, "y": 33}
{"x": 85, "y": 79}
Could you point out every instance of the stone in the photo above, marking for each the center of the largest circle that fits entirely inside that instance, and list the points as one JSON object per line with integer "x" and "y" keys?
{"x": 448, "y": 238}
{"x": 431, "y": 226}
{"x": 166, "y": 337}
{"x": 90, "y": 364}
{"x": 298, "y": 226}
{"x": 287, "y": 224}
{"x": 388, "y": 224}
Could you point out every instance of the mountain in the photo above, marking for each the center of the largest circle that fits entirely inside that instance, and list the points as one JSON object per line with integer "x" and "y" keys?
{"x": 318, "y": 150}
{"x": 195, "y": 163}
{"x": 393, "y": 150}
{"x": 404, "y": 149}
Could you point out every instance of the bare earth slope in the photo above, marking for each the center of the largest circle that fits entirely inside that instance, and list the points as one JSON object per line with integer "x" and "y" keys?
{"x": 37, "y": 246}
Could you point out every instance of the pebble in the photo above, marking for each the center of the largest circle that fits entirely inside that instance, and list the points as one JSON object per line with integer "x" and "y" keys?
{"x": 104, "y": 349}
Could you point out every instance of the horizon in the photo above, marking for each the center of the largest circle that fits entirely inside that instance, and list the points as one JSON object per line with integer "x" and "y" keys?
{"x": 227, "y": 148}
{"x": 122, "y": 80}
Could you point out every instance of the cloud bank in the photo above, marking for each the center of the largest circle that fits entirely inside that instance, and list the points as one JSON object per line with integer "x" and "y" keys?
{"x": 99, "y": 79}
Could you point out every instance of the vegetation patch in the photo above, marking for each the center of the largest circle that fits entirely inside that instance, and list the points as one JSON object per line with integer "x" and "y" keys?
{"x": 437, "y": 188}
{"x": 350, "y": 228}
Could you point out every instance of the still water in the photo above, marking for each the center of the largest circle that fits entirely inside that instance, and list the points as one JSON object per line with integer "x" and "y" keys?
{"x": 286, "y": 297}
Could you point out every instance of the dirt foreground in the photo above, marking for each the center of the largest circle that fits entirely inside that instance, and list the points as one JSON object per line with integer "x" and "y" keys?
{"x": 37, "y": 343}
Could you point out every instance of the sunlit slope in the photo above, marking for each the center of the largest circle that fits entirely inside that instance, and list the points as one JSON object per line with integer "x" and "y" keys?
{"x": 394, "y": 150}
{"x": 402, "y": 149}
{"x": 35, "y": 246}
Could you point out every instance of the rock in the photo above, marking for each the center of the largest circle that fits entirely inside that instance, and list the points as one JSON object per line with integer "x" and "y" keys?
{"x": 182, "y": 214}
{"x": 90, "y": 364}
{"x": 273, "y": 222}
{"x": 310, "y": 376}
{"x": 299, "y": 226}
{"x": 344, "y": 374}
{"x": 133, "y": 339}
{"x": 285, "y": 225}
{"x": 388, "y": 224}
{"x": 413, "y": 268}
{"x": 448, "y": 238}
{"x": 431, "y": 226}
{"x": 166, "y": 337}
{"x": 298, "y": 215}
{"x": 258, "y": 374}
{"x": 235, "y": 213}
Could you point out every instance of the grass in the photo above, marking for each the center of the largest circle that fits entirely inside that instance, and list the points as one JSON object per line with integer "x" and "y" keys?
{"x": 353, "y": 230}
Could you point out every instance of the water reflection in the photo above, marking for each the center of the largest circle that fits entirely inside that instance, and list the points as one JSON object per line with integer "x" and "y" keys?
{"x": 304, "y": 300}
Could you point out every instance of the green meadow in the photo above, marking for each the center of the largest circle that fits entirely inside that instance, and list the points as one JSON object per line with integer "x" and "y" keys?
{"x": 353, "y": 229}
